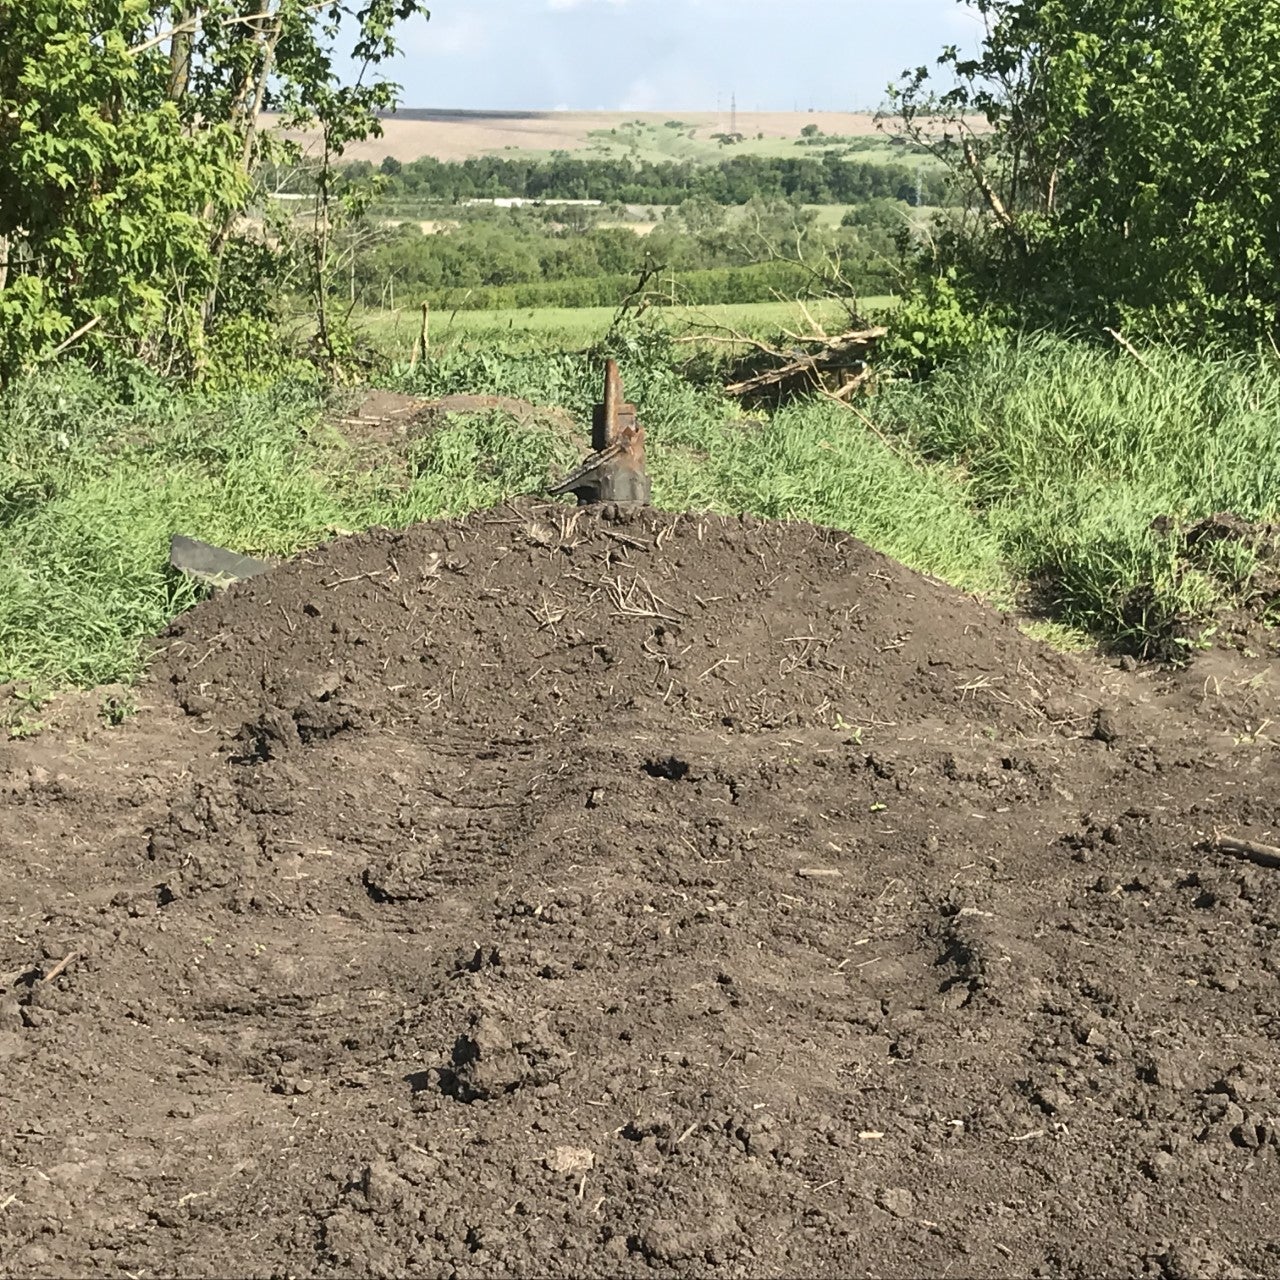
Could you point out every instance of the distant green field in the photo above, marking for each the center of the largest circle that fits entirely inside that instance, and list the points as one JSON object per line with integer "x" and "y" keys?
{"x": 395, "y": 331}
{"x": 654, "y": 143}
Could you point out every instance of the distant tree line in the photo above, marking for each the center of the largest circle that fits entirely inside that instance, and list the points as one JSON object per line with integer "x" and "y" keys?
{"x": 707, "y": 253}
{"x": 763, "y": 282}
{"x": 827, "y": 179}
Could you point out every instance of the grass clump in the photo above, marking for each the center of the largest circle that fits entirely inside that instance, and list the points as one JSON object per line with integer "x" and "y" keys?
{"x": 1091, "y": 470}
{"x": 91, "y": 487}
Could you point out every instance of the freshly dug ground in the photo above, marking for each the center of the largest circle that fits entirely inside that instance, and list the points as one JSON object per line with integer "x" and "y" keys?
{"x": 578, "y": 894}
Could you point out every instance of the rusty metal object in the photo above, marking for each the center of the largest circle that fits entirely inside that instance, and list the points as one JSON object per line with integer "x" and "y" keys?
{"x": 615, "y": 470}
{"x": 614, "y": 415}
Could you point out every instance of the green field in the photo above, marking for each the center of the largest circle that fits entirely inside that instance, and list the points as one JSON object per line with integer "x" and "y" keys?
{"x": 395, "y": 331}
{"x": 649, "y": 142}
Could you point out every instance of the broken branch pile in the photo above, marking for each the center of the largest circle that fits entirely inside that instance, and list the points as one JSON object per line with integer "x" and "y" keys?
{"x": 835, "y": 364}
{"x": 832, "y": 364}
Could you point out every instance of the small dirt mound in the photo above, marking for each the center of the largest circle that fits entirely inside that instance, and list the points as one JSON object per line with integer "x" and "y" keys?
{"x": 385, "y": 427}
{"x": 578, "y": 893}
{"x": 542, "y": 618}
{"x": 384, "y": 417}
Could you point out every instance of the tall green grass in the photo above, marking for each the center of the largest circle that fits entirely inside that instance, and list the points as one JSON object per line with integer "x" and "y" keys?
{"x": 1072, "y": 452}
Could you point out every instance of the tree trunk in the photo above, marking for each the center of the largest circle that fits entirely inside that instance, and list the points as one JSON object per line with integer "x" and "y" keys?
{"x": 185, "y": 17}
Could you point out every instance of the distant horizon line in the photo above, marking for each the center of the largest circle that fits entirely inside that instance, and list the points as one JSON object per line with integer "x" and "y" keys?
{"x": 528, "y": 112}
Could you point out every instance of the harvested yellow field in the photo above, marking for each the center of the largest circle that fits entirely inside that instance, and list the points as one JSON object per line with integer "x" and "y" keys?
{"x": 458, "y": 135}
{"x": 639, "y": 228}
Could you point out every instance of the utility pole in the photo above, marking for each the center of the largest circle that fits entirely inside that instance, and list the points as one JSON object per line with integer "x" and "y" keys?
{"x": 733, "y": 117}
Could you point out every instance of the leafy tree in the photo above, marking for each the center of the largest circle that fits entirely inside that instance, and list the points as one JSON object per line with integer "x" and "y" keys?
{"x": 1123, "y": 157}
{"x": 129, "y": 132}
{"x": 616, "y": 249}
{"x": 517, "y": 258}
{"x": 880, "y": 214}
{"x": 700, "y": 215}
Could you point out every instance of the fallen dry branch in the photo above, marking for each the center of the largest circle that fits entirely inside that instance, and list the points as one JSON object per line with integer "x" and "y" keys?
{"x": 60, "y": 966}
{"x": 835, "y": 366}
{"x": 850, "y": 386}
{"x": 1262, "y": 855}
{"x": 839, "y": 359}
{"x": 75, "y": 337}
{"x": 840, "y": 398}
{"x": 1129, "y": 347}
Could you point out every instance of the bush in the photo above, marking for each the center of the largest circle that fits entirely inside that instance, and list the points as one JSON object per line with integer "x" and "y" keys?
{"x": 1128, "y": 171}
{"x": 936, "y": 323}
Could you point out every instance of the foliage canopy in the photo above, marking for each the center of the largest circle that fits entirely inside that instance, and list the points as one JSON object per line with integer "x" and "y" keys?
{"x": 128, "y": 134}
{"x": 1124, "y": 155}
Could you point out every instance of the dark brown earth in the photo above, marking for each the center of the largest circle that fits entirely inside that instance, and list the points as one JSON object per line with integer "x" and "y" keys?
{"x": 565, "y": 894}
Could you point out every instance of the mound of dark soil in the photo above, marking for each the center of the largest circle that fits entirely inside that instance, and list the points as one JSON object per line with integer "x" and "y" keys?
{"x": 382, "y": 426}
{"x": 560, "y": 893}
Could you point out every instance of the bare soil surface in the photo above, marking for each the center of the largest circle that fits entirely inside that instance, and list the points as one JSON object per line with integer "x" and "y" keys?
{"x": 552, "y": 893}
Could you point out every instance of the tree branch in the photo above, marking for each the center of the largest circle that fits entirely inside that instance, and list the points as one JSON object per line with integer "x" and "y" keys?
{"x": 989, "y": 193}
{"x": 180, "y": 52}
{"x": 191, "y": 25}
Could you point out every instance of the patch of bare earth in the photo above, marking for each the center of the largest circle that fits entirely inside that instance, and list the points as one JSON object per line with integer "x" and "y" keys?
{"x": 548, "y": 893}
{"x": 382, "y": 425}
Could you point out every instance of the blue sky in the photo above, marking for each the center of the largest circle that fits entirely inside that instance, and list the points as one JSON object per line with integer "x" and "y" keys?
{"x": 637, "y": 55}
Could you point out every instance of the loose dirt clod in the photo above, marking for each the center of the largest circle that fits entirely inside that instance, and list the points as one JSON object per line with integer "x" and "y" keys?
{"x": 450, "y": 908}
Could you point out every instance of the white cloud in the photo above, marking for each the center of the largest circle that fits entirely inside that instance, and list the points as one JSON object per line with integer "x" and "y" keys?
{"x": 578, "y": 4}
